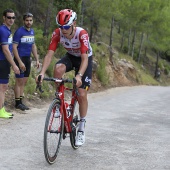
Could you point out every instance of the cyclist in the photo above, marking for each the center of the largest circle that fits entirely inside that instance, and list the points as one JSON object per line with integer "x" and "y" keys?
{"x": 23, "y": 45}
{"x": 79, "y": 57}
{"x": 6, "y": 58}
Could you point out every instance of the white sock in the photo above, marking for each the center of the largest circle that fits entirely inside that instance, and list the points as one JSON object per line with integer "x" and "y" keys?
{"x": 82, "y": 124}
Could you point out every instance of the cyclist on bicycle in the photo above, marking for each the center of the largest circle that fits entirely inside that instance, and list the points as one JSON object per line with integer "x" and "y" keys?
{"x": 79, "y": 57}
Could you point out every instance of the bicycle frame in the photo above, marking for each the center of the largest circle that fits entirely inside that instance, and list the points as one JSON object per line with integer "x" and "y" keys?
{"x": 63, "y": 123}
{"x": 63, "y": 108}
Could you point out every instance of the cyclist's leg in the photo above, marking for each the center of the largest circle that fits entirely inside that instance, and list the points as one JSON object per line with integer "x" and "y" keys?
{"x": 86, "y": 82}
{"x": 83, "y": 105}
{"x": 59, "y": 70}
{"x": 83, "y": 102}
{"x": 62, "y": 66}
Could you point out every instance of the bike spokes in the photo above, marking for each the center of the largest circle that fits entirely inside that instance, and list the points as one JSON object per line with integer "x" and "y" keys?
{"x": 52, "y": 133}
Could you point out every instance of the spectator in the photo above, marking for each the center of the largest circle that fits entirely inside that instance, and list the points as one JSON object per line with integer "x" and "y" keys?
{"x": 23, "y": 45}
{"x": 6, "y": 58}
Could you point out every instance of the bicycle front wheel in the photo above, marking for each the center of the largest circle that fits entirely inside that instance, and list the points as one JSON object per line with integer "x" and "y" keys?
{"x": 75, "y": 125}
{"x": 53, "y": 132}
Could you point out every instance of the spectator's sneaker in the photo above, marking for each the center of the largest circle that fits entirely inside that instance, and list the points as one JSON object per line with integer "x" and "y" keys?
{"x": 26, "y": 107}
{"x": 5, "y": 115}
{"x": 80, "y": 138}
{"x": 20, "y": 106}
{"x": 10, "y": 114}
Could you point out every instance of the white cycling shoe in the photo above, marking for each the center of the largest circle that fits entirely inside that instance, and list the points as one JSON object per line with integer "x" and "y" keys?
{"x": 80, "y": 138}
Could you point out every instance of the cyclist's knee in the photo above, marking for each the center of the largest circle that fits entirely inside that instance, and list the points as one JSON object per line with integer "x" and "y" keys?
{"x": 59, "y": 70}
{"x": 82, "y": 95}
{"x": 82, "y": 100}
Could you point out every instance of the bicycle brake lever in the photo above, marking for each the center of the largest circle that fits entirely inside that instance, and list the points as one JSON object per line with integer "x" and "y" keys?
{"x": 38, "y": 87}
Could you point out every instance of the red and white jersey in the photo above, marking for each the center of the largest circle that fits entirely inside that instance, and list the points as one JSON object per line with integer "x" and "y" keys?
{"x": 78, "y": 45}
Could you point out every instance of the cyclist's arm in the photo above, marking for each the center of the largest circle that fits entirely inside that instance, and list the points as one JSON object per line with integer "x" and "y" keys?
{"x": 84, "y": 63}
{"x": 84, "y": 40}
{"x": 52, "y": 47}
{"x": 47, "y": 61}
{"x": 82, "y": 69}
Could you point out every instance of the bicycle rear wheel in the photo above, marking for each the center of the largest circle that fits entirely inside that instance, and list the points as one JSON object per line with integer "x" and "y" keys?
{"x": 53, "y": 132}
{"x": 75, "y": 124}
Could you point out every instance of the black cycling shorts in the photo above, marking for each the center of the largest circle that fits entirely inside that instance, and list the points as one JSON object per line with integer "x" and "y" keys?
{"x": 73, "y": 63}
{"x": 4, "y": 71}
{"x": 27, "y": 62}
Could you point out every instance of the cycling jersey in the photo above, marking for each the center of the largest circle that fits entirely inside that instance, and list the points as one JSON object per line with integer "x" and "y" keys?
{"x": 78, "y": 45}
{"x": 25, "y": 39}
{"x": 5, "y": 39}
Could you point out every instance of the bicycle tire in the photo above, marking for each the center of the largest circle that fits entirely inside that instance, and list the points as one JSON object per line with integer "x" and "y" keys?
{"x": 53, "y": 132}
{"x": 74, "y": 124}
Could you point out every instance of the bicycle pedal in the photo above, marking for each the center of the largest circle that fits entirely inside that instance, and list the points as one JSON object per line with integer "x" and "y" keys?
{"x": 65, "y": 135}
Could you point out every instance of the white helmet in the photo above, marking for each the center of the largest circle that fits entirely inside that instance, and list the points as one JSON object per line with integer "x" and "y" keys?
{"x": 66, "y": 17}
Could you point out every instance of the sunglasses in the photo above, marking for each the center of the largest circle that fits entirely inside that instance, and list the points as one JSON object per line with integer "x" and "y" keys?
{"x": 10, "y": 17}
{"x": 66, "y": 27}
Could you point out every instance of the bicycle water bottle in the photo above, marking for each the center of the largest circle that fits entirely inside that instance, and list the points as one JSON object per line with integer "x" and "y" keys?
{"x": 68, "y": 110}
{"x": 57, "y": 113}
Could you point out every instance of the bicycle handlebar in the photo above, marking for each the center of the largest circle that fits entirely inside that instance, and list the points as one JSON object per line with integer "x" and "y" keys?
{"x": 57, "y": 81}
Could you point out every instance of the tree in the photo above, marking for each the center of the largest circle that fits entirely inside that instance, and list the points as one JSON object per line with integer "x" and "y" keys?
{"x": 48, "y": 18}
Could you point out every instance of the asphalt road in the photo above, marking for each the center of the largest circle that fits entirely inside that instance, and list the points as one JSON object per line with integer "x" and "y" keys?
{"x": 127, "y": 128}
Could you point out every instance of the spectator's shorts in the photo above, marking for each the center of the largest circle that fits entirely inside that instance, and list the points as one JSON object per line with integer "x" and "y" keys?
{"x": 27, "y": 62}
{"x": 4, "y": 71}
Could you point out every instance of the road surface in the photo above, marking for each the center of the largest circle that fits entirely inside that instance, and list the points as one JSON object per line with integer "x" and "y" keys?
{"x": 128, "y": 128}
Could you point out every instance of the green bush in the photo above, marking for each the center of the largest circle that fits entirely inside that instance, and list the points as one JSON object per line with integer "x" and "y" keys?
{"x": 161, "y": 65}
{"x": 166, "y": 69}
{"x": 101, "y": 71}
{"x": 95, "y": 48}
{"x": 41, "y": 42}
{"x": 125, "y": 49}
{"x": 31, "y": 83}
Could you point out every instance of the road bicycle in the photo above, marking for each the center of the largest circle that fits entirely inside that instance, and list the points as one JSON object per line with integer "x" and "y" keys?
{"x": 62, "y": 119}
